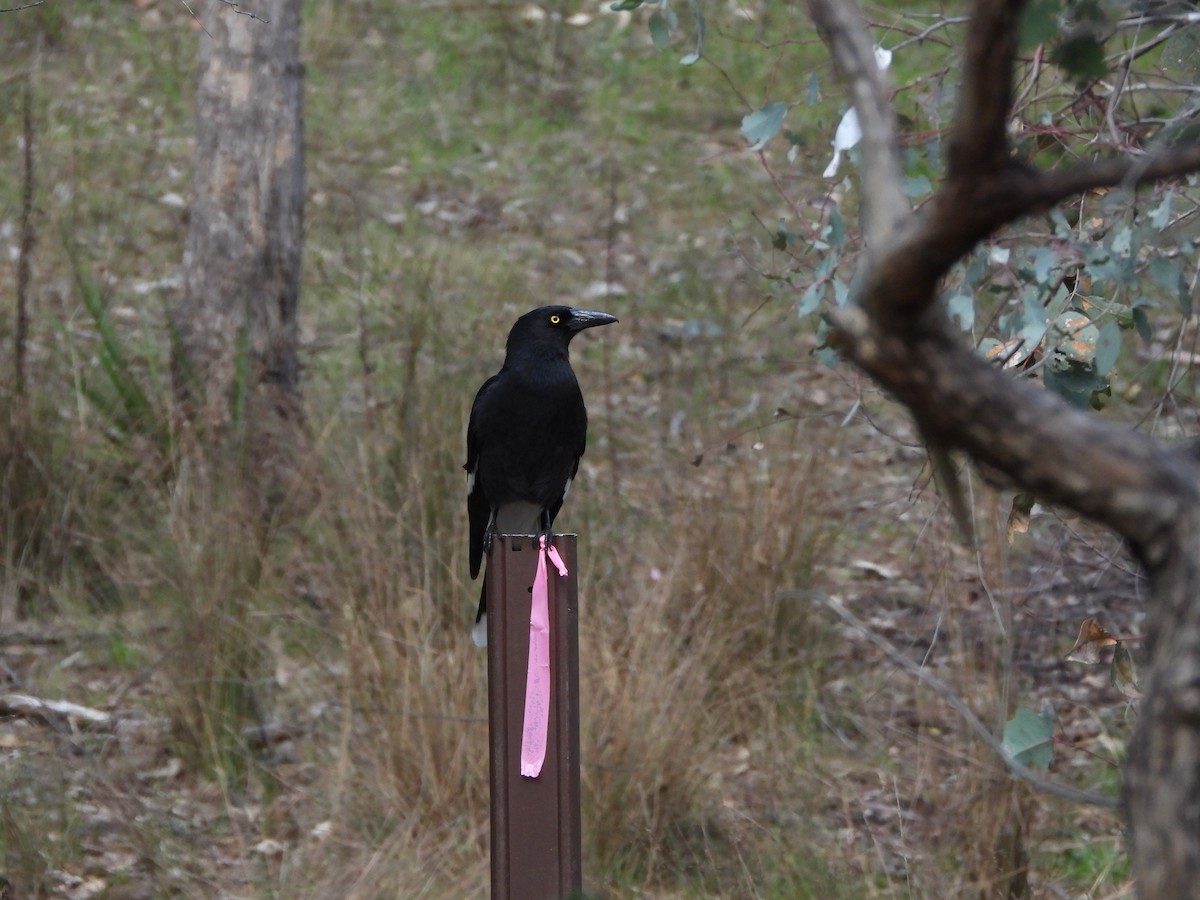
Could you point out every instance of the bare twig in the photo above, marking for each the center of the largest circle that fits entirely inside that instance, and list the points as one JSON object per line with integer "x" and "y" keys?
{"x": 237, "y": 8}
{"x": 25, "y": 248}
{"x": 195, "y": 18}
{"x": 53, "y": 712}
{"x": 929, "y": 30}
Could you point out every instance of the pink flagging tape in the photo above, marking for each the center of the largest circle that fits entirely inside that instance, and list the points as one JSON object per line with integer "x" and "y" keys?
{"x": 537, "y": 678}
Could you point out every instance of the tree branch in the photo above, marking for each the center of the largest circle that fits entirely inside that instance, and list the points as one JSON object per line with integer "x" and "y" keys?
{"x": 898, "y": 333}
{"x": 979, "y": 141}
{"x": 885, "y": 206}
{"x": 1054, "y": 187}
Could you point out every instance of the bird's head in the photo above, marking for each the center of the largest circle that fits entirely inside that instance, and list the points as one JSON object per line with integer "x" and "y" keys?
{"x": 555, "y": 325}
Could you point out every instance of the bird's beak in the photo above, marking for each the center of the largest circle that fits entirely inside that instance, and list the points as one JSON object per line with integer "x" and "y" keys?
{"x": 589, "y": 318}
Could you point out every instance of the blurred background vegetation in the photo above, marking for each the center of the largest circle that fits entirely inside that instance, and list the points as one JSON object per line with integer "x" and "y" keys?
{"x": 301, "y": 712}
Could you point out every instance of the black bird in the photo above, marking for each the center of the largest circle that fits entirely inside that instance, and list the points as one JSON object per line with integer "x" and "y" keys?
{"x": 527, "y": 432}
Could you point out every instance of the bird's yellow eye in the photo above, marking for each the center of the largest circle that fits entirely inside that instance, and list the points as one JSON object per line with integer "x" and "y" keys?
{"x": 555, "y": 319}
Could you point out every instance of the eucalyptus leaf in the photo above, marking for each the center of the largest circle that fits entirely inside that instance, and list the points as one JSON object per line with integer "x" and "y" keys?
{"x": 917, "y": 186}
{"x": 1081, "y": 57}
{"x": 1165, "y": 271}
{"x": 660, "y": 34}
{"x": 961, "y": 308}
{"x": 1028, "y": 738}
{"x": 1160, "y": 216}
{"x": 694, "y": 6}
{"x": 1033, "y": 323}
{"x": 811, "y": 298}
{"x": 841, "y": 292}
{"x": 1108, "y": 348}
{"x": 1039, "y": 23}
{"x": 836, "y": 232}
{"x": 1044, "y": 261}
{"x": 763, "y": 124}
{"x": 1074, "y": 383}
{"x": 1141, "y": 323}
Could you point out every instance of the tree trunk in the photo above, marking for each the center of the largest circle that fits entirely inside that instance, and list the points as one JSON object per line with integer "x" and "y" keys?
{"x": 897, "y": 332}
{"x": 235, "y": 327}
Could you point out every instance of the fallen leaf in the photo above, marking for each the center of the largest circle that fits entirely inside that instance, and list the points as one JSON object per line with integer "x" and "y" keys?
{"x": 1018, "y": 516}
{"x": 887, "y": 573}
{"x": 1092, "y": 640}
{"x": 1122, "y": 675}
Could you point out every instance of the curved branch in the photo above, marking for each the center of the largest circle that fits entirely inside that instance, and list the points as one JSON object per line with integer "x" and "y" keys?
{"x": 1148, "y": 492}
{"x": 979, "y": 144}
{"x": 1118, "y": 477}
{"x": 1054, "y": 187}
{"x": 885, "y": 206}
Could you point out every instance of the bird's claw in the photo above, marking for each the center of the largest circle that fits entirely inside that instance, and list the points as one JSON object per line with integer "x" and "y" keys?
{"x": 546, "y": 531}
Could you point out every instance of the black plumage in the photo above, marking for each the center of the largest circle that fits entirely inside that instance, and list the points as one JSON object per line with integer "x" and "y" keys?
{"x": 527, "y": 431}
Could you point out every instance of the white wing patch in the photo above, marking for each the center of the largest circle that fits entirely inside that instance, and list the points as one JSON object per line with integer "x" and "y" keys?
{"x": 567, "y": 488}
{"x": 470, "y": 483}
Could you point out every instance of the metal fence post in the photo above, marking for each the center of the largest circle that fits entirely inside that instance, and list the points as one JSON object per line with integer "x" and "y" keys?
{"x": 536, "y": 841}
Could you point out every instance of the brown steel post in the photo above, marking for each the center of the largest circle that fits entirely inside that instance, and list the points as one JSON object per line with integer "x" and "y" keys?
{"x": 536, "y": 842}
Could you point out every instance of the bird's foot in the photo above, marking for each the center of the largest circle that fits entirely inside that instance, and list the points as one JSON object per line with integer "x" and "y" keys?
{"x": 545, "y": 534}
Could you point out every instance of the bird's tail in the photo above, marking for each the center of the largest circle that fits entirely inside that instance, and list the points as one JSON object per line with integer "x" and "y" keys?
{"x": 479, "y": 632}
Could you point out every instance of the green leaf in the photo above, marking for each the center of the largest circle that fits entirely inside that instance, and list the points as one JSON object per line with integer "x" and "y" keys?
{"x": 1160, "y": 216}
{"x": 1044, "y": 260}
{"x": 811, "y": 298}
{"x": 1039, "y": 24}
{"x": 961, "y": 307}
{"x": 1108, "y": 348}
{"x": 1141, "y": 322}
{"x": 1028, "y": 738}
{"x": 1062, "y": 228}
{"x": 1123, "y": 675}
{"x": 917, "y": 186}
{"x": 1122, "y": 241}
{"x": 1166, "y": 273}
{"x": 625, "y": 5}
{"x": 763, "y": 124}
{"x": 841, "y": 292}
{"x": 692, "y": 58}
{"x": 1076, "y": 337}
{"x": 1081, "y": 57}
{"x": 836, "y": 230}
{"x": 660, "y": 34}
{"x": 1033, "y": 324}
{"x": 1074, "y": 383}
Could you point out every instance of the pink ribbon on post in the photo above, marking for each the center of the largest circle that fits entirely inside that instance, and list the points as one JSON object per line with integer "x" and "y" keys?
{"x": 537, "y": 677}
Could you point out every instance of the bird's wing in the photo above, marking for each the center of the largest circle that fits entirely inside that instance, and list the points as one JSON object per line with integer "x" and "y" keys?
{"x": 479, "y": 507}
{"x": 580, "y": 427}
